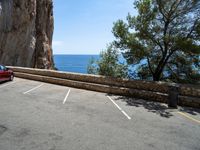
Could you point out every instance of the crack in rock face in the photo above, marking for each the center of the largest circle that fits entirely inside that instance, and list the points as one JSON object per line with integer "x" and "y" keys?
{"x": 0, "y": 8}
{"x": 2, "y": 129}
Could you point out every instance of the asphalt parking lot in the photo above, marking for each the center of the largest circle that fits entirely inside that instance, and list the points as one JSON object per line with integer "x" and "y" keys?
{"x": 42, "y": 116}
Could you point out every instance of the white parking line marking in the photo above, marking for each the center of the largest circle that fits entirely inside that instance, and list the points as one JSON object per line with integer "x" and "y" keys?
{"x": 33, "y": 89}
{"x": 66, "y": 96}
{"x": 129, "y": 118}
{"x": 7, "y": 84}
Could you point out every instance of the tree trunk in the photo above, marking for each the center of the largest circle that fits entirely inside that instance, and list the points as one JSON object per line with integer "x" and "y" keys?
{"x": 156, "y": 77}
{"x": 158, "y": 73}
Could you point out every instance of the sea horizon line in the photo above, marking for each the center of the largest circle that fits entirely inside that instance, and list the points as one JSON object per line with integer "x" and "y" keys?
{"x": 75, "y": 54}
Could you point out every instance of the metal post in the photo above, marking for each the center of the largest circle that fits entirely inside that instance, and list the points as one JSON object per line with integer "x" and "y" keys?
{"x": 173, "y": 96}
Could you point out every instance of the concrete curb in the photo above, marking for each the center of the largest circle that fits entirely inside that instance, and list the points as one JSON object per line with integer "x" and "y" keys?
{"x": 148, "y": 95}
{"x": 188, "y": 95}
{"x": 134, "y": 84}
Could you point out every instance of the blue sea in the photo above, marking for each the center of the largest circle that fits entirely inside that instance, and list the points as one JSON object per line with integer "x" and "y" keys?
{"x": 73, "y": 63}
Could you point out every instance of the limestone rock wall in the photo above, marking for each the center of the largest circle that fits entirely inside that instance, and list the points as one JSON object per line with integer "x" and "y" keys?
{"x": 26, "y": 29}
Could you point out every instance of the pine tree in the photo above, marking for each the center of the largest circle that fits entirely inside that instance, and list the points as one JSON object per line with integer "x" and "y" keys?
{"x": 165, "y": 35}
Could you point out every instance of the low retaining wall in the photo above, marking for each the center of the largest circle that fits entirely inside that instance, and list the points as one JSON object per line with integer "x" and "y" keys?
{"x": 189, "y": 95}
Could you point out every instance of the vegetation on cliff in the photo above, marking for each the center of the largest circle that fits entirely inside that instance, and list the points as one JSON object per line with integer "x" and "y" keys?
{"x": 108, "y": 64}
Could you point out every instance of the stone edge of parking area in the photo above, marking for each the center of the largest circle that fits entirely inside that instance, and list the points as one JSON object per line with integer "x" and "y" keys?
{"x": 187, "y": 95}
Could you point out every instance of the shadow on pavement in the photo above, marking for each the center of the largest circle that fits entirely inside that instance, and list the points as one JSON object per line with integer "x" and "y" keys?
{"x": 3, "y": 82}
{"x": 154, "y": 107}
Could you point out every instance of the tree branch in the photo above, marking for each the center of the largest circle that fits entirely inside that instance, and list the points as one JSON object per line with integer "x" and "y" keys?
{"x": 160, "y": 9}
{"x": 174, "y": 74}
{"x": 149, "y": 65}
{"x": 192, "y": 29}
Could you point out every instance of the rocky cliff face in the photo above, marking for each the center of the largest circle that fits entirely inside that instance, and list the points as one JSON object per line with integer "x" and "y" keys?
{"x": 26, "y": 29}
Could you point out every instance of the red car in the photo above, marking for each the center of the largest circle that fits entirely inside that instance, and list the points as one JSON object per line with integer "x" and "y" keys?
{"x": 6, "y": 74}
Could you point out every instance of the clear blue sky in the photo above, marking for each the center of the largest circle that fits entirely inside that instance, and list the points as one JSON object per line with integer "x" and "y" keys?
{"x": 84, "y": 26}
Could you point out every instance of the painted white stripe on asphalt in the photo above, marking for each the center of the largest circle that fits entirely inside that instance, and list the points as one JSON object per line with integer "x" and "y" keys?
{"x": 7, "y": 84}
{"x": 119, "y": 107}
{"x": 33, "y": 89}
{"x": 66, "y": 96}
